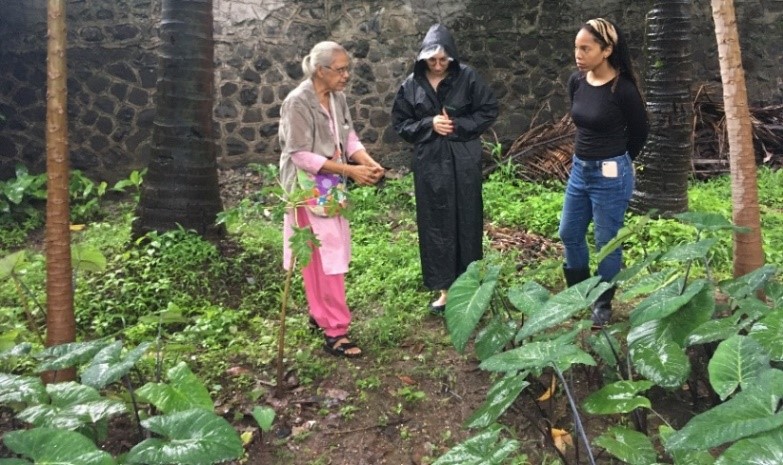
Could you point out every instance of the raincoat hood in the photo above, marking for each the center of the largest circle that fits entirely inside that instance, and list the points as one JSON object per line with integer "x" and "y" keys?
{"x": 438, "y": 35}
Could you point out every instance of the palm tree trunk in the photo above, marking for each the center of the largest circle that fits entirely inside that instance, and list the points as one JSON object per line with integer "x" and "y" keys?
{"x": 748, "y": 251}
{"x": 662, "y": 181}
{"x": 181, "y": 184}
{"x": 60, "y": 321}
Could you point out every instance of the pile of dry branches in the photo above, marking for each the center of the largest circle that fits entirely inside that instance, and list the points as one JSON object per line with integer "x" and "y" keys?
{"x": 544, "y": 151}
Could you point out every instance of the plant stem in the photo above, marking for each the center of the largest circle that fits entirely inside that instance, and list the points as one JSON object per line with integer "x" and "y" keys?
{"x": 577, "y": 419}
{"x": 281, "y": 331}
{"x": 132, "y": 394}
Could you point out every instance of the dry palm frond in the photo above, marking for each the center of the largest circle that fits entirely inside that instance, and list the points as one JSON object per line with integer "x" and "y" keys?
{"x": 542, "y": 152}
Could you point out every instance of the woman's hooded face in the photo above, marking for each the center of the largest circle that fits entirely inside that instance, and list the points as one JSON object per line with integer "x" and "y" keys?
{"x": 438, "y": 64}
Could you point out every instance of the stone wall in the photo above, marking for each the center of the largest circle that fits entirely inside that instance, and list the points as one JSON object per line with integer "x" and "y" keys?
{"x": 522, "y": 47}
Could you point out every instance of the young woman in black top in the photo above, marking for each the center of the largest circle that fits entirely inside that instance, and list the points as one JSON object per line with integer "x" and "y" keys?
{"x": 611, "y": 129}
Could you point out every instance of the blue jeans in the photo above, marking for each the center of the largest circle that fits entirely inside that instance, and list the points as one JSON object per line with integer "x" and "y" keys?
{"x": 592, "y": 196}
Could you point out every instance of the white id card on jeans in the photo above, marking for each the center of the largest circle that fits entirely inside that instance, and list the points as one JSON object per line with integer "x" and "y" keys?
{"x": 609, "y": 169}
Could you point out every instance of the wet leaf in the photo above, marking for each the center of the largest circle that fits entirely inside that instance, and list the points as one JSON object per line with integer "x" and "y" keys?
{"x": 67, "y": 355}
{"x": 748, "y": 413}
{"x": 21, "y": 389}
{"x": 665, "y": 301}
{"x": 56, "y": 446}
{"x": 183, "y": 391}
{"x": 264, "y": 416}
{"x": 535, "y": 356}
{"x": 500, "y": 396}
{"x": 737, "y": 362}
{"x": 493, "y": 337}
{"x": 764, "y": 449}
{"x": 109, "y": 365}
{"x": 769, "y": 333}
{"x": 469, "y": 298}
{"x": 483, "y": 449}
{"x": 632, "y": 447}
{"x": 194, "y": 437}
{"x": 618, "y": 397}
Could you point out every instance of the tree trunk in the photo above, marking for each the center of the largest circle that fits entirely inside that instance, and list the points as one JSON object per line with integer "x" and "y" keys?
{"x": 748, "y": 252}
{"x": 60, "y": 321}
{"x": 665, "y": 163}
{"x": 181, "y": 184}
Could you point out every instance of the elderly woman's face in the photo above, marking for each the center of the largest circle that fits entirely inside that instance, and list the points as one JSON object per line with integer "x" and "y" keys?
{"x": 335, "y": 76}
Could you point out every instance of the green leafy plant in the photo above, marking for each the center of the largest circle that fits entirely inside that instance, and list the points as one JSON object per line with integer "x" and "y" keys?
{"x": 677, "y": 315}
{"x": 187, "y": 431}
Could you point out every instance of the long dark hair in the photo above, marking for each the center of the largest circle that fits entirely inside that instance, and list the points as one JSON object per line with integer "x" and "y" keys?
{"x": 607, "y": 33}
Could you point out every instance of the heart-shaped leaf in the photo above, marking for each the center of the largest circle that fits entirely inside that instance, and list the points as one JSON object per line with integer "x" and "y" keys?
{"x": 483, "y": 449}
{"x": 494, "y": 337}
{"x": 469, "y": 297}
{"x": 109, "y": 364}
{"x": 618, "y": 397}
{"x": 769, "y": 333}
{"x": 16, "y": 389}
{"x": 194, "y": 437}
{"x": 184, "y": 391}
{"x": 737, "y": 362}
{"x": 67, "y": 355}
{"x": 55, "y": 446}
{"x": 763, "y": 449}
{"x": 632, "y": 447}
{"x": 748, "y": 413}
{"x": 500, "y": 397}
{"x": 665, "y": 301}
{"x": 535, "y": 356}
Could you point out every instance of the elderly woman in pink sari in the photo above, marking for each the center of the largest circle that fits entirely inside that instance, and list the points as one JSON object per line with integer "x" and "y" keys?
{"x": 317, "y": 136}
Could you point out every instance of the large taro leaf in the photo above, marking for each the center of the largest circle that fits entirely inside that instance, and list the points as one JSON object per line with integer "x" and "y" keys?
{"x": 482, "y": 449}
{"x": 685, "y": 456}
{"x": 648, "y": 284}
{"x": 500, "y": 396}
{"x": 529, "y": 298}
{"x": 737, "y": 362}
{"x": 184, "y": 391}
{"x": 193, "y": 437}
{"x": 110, "y": 364}
{"x": 774, "y": 292}
{"x": 562, "y": 306}
{"x": 632, "y": 447}
{"x": 72, "y": 405}
{"x": 618, "y": 397}
{"x": 535, "y": 356}
{"x": 629, "y": 273}
{"x": 469, "y": 298}
{"x": 693, "y": 314}
{"x": 665, "y": 301}
{"x": 16, "y": 389}
{"x": 714, "y": 330}
{"x": 763, "y": 449}
{"x": 690, "y": 251}
{"x": 494, "y": 337}
{"x": 67, "y": 355}
{"x": 657, "y": 357}
{"x": 769, "y": 333}
{"x": 49, "y": 446}
{"x": 707, "y": 221}
{"x": 748, "y": 413}
{"x": 739, "y": 288}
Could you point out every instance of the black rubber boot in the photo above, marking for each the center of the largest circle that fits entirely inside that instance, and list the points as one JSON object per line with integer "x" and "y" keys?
{"x": 602, "y": 308}
{"x": 575, "y": 275}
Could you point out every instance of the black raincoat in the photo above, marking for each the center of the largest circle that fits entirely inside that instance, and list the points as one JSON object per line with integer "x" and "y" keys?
{"x": 446, "y": 170}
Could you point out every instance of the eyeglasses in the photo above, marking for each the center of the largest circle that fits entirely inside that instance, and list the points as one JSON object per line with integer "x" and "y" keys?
{"x": 343, "y": 70}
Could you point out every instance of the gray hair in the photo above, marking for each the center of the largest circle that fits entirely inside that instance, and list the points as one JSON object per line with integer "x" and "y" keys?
{"x": 322, "y": 54}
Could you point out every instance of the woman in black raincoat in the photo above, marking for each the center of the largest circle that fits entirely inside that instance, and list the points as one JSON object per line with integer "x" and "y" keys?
{"x": 442, "y": 108}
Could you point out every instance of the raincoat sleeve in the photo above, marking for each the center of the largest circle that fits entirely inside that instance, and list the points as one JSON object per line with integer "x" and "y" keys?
{"x": 483, "y": 112}
{"x": 411, "y": 128}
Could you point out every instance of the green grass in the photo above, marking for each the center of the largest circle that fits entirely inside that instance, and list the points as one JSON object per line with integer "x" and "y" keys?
{"x": 229, "y": 303}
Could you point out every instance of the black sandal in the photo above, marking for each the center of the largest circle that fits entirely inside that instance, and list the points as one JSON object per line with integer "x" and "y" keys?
{"x": 339, "y": 345}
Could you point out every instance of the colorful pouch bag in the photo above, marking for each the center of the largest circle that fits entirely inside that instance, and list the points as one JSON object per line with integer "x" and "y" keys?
{"x": 329, "y": 193}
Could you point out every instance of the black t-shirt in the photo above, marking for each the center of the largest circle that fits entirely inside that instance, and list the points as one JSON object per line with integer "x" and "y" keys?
{"x": 609, "y": 121}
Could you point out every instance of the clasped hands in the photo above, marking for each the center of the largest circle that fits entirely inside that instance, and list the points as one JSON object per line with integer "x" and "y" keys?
{"x": 442, "y": 124}
{"x": 367, "y": 171}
